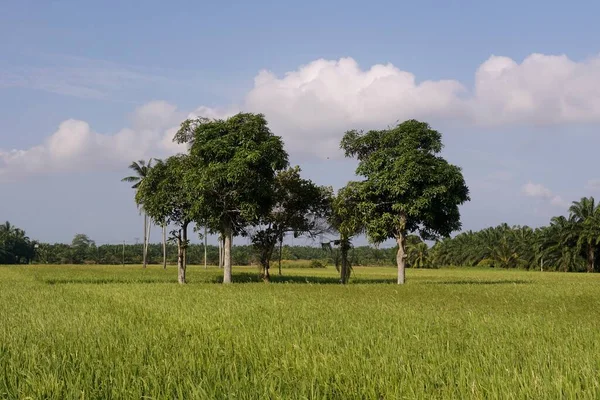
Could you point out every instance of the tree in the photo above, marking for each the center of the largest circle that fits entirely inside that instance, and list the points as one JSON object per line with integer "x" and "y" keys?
{"x": 408, "y": 187}
{"x": 165, "y": 197}
{"x": 141, "y": 169}
{"x": 298, "y": 207}
{"x": 15, "y": 245}
{"x": 348, "y": 221}
{"x": 235, "y": 161}
{"x": 586, "y": 215}
{"x": 559, "y": 244}
{"x": 417, "y": 252}
{"x": 81, "y": 246}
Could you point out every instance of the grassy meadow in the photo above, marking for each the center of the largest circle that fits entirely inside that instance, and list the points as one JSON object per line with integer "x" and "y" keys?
{"x": 115, "y": 332}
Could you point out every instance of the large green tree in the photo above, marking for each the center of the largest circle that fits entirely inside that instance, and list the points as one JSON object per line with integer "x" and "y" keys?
{"x": 408, "y": 186}
{"x": 165, "y": 197}
{"x": 299, "y": 207}
{"x": 235, "y": 161}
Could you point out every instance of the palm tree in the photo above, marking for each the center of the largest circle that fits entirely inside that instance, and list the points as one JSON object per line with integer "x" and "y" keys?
{"x": 416, "y": 252}
{"x": 141, "y": 169}
{"x": 560, "y": 245}
{"x": 586, "y": 215}
{"x": 348, "y": 222}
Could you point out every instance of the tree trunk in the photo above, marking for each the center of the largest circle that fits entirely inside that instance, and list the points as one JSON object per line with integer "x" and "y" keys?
{"x": 145, "y": 239}
{"x": 591, "y": 258}
{"x": 222, "y": 251}
{"x": 221, "y": 248}
{"x": 280, "y": 248}
{"x": 345, "y": 268}
{"x": 180, "y": 275}
{"x": 182, "y": 259}
{"x": 400, "y": 258}
{"x": 227, "y": 256}
{"x": 205, "y": 246}
{"x": 266, "y": 277}
{"x": 401, "y": 255}
{"x": 164, "y": 240}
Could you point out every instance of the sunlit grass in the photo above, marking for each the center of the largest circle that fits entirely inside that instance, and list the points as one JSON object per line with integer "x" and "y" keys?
{"x": 125, "y": 332}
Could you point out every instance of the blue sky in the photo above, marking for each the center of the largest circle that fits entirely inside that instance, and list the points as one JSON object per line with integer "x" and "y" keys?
{"x": 85, "y": 88}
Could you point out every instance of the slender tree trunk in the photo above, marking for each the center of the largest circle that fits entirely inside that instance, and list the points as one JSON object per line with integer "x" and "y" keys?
{"x": 345, "y": 268}
{"x": 227, "y": 256}
{"x": 221, "y": 250}
{"x": 205, "y": 246}
{"x": 148, "y": 239}
{"x": 266, "y": 277}
{"x": 145, "y": 239}
{"x": 401, "y": 258}
{"x": 180, "y": 258}
{"x": 164, "y": 243}
{"x": 591, "y": 258}
{"x": 401, "y": 255}
{"x": 280, "y": 250}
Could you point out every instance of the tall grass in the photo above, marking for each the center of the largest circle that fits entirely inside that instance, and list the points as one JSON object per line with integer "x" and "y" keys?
{"x": 113, "y": 332}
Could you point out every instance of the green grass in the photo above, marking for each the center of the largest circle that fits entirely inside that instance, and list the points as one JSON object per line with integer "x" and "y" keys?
{"x": 113, "y": 332}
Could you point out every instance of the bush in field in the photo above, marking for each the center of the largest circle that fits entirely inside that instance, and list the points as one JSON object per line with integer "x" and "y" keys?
{"x": 317, "y": 264}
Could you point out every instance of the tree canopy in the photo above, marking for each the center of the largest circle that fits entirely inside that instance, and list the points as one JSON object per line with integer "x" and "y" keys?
{"x": 15, "y": 245}
{"x": 299, "y": 207}
{"x": 408, "y": 186}
{"x": 165, "y": 197}
{"x": 234, "y": 166}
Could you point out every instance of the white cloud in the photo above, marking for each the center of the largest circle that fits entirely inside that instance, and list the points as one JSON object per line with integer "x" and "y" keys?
{"x": 543, "y": 89}
{"x": 314, "y": 105}
{"x": 536, "y": 190}
{"x": 76, "y": 147}
{"x": 540, "y": 191}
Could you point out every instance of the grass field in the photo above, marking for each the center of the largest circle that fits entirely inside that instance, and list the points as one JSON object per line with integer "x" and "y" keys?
{"x": 113, "y": 332}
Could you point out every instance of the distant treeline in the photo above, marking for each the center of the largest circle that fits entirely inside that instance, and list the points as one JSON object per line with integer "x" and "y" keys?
{"x": 242, "y": 255}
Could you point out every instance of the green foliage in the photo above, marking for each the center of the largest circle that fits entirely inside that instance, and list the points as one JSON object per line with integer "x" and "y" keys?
{"x": 408, "y": 186}
{"x": 317, "y": 264}
{"x": 234, "y": 162}
{"x": 15, "y": 245}
{"x": 348, "y": 221}
{"x": 141, "y": 169}
{"x": 241, "y": 255}
{"x": 82, "y": 248}
{"x": 417, "y": 252}
{"x": 101, "y": 332}
{"x": 164, "y": 194}
{"x": 586, "y": 217}
{"x": 567, "y": 244}
{"x": 298, "y": 207}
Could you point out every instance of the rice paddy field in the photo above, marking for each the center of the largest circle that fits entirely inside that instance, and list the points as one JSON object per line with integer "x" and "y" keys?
{"x": 112, "y": 332}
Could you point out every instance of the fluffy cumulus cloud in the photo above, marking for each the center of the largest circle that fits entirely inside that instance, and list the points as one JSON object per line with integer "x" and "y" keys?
{"x": 314, "y": 105}
{"x": 541, "y": 192}
{"x": 542, "y": 89}
{"x": 76, "y": 147}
